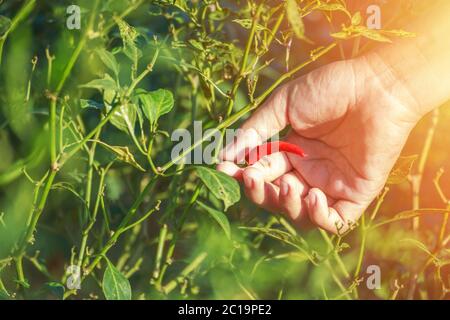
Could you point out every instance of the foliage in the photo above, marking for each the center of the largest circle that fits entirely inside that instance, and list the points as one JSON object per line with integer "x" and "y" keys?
{"x": 86, "y": 171}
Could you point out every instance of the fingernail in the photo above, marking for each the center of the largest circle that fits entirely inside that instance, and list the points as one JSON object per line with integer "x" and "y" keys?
{"x": 249, "y": 182}
{"x": 284, "y": 188}
{"x": 311, "y": 200}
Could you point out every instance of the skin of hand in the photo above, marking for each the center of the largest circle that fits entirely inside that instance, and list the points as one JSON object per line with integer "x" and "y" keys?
{"x": 352, "y": 128}
{"x": 352, "y": 118}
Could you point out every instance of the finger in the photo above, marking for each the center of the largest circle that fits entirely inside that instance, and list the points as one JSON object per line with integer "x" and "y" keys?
{"x": 231, "y": 169}
{"x": 268, "y": 120}
{"x": 272, "y": 116}
{"x": 236, "y": 149}
{"x": 262, "y": 193}
{"x": 273, "y": 166}
{"x": 337, "y": 218}
{"x": 292, "y": 191}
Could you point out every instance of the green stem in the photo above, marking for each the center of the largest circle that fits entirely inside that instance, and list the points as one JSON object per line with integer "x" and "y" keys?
{"x": 335, "y": 254}
{"x": 231, "y": 97}
{"x": 3, "y": 288}
{"x": 124, "y": 223}
{"x": 24, "y": 11}
{"x": 185, "y": 272}
{"x": 70, "y": 64}
{"x": 159, "y": 251}
{"x": 53, "y": 133}
{"x": 55, "y": 168}
{"x": 244, "y": 61}
{"x": 147, "y": 70}
{"x": 76, "y": 53}
{"x": 19, "y": 269}
{"x": 417, "y": 178}
{"x": 125, "y": 13}
{"x": 378, "y": 205}
{"x": 92, "y": 219}
{"x": 88, "y": 137}
{"x": 338, "y": 281}
{"x": 172, "y": 245}
{"x": 362, "y": 247}
{"x": 39, "y": 210}
{"x": 124, "y": 226}
{"x": 444, "y": 225}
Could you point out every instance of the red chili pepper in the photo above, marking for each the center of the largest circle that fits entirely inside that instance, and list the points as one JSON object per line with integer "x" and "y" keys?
{"x": 257, "y": 153}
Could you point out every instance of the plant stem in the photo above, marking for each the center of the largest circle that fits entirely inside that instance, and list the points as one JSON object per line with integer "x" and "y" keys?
{"x": 172, "y": 245}
{"x": 185, "y": 272}
{"x": 70, "y": 64}
{"x": 362, "y": 246}
{"x": 92, "y": 219}
{"x": 147, "y": 70}
{"x": 19, "y": 270}
{"x": 378, "y": 205}
{"x": 417, "y": 178}
{"x": 244, "y": 60}
{"x": 446, "y": 201}
{"x": 123, "y": 226}
{"x": 37, "y": 213}
{"x": 242, "y": 70}
{"x": 335, "y": 254}
{"x": 122, "y": 15}
{"x": 338, "y": 281}
{"x": 88, "y": 137}
{"x": 443, "y": 229}
{"x": 52, "y": 121}
{"x": 159, "y": 251}
{"x": 23, "y": 12}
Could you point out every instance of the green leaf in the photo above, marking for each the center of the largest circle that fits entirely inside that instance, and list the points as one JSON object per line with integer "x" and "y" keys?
{"x": 5, "y": 24}
{"x": 4, "y": 295}
{"x": 401, "y": 170}
{"x": 356, "y": 19}
{"x": 109, "y": 61}
{"x": 107, "y": 83}
{"x": 421, "y": 246}
{"x": 124, "y": 118}
{"x": 342, "y": 35}
{"x": 123, "y": 154}
{"x": 247, "y": 24}
{"x": 221, "y": 185}
{"x": 24, "y": 283}
{"x": 129, "y": 35}
{"x": 115, "y": 285}
{"x": 285, "y": 237}
{"x": 399, "y": 33}
{"x": 220, "y": 218}
{"x": 295, "y": 19}
{"x": 156, "y": 103}
{"x": 56, "y": 289}
{"x": 333, "y": 7}
{"x": 90, "y": 104}
{"x": 374, "y": 35}
{"x": 196, "y": 44}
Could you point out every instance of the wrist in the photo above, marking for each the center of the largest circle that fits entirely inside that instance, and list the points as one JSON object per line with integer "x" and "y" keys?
{"x": 417, "y": 70}
{"x": 380, "y": 79}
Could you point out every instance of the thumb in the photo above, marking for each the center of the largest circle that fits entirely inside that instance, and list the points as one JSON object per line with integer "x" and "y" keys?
{"x": 313, "y": 105}
{"x": 265, "y": 122}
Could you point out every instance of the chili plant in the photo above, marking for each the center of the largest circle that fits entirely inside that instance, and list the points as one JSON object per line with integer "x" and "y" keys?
{"x": 94, "y": 206}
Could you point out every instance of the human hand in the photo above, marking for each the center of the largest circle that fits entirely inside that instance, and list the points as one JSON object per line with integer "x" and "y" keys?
{"x": 352, "y": 128}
